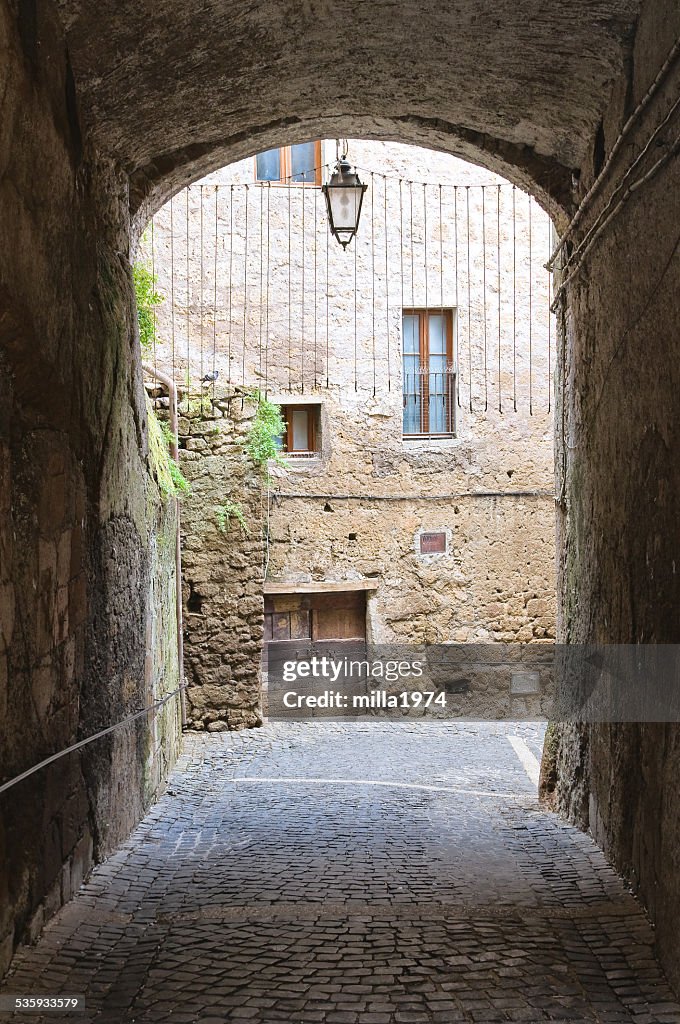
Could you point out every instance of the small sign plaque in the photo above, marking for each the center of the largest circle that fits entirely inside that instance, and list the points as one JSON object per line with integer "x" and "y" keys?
{"x": 433, "y": 543}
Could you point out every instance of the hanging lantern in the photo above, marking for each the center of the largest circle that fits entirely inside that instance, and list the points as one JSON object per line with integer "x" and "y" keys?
{"x": 344, "y": 195}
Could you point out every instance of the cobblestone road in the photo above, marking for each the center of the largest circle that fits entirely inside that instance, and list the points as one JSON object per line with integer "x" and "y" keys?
{"x": 353, "y": 874}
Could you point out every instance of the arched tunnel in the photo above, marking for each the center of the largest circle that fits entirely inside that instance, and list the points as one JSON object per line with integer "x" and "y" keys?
{"x": 108, "y": 110}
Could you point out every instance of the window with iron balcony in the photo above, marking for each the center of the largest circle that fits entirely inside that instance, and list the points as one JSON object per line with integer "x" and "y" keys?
{"x": 428, "y": 372}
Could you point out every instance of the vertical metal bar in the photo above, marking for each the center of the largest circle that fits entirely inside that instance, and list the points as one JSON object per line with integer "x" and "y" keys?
{"x": 498, "y": 285}
{"x": 413, "y": 292}
{"x": 188, "y": 297}
{"x": 201, "y": 304}
{"x": 316, "y": 220}
{"x": 486, "y": 385}
{"x": 266, "y": 304}
{"x": 356, "y": 383}
{"x": 172, "y": 283}
{"x": 531, "y": 283}
{"x": 302, "y": 292}
{"x": 245, "y": 291}
{"x": 455, "y": 246}
{"x": 261, "y": 295}
{"x": 328, "y": 236}
{"x": 469, "y": 296}
{"x": 514, "y": 299}
{"x": 549, "y": 288}
{"x": 153, "y": 290}
{"x": 387, "y": 291}
{"x": 426, "y": 322}
{"x": 214, "y": 355}
{"x": 231, "y": 264}
{"x": 373, "y": 277}
{"x": 290, "y": 293}
{"x": 401, "y": 258}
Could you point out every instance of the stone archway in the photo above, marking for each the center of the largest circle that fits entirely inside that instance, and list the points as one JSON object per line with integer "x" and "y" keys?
{"x": 109, "y": 111}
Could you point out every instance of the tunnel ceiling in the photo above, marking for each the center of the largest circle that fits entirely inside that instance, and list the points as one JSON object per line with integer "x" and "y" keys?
{"x": 173, "y": 89}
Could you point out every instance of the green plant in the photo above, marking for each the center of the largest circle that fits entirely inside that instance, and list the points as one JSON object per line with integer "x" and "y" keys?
{"x": 263, "y": 441}
{"x": 171, "y": 481}
{"x": 180, "y": 482}
{"x": 229, "y": 510}
{"x": 193, "y": 407}
{"x": 147, "y": 300}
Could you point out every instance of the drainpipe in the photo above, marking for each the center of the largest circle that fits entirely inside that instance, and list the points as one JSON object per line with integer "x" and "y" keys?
{"x": 172, "y": 394}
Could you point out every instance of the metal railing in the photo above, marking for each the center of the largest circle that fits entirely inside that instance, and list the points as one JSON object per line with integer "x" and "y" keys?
{"x": 429, "y": 403}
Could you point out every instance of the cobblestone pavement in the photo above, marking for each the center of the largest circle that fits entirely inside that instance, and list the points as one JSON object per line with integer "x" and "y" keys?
{"x": 353, "y": 874}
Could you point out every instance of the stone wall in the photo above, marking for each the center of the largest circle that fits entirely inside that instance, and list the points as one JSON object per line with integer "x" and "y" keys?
{"x": 77, "y": 505}
{"x": 619, "y": 477}
{"x": 223, "y": 566}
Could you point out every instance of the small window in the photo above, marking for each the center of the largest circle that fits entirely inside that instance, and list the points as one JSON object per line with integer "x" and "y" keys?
{"x": 301, "y": 438}
{"x": 300, "y": 164}
{"x": 428, "y": 373}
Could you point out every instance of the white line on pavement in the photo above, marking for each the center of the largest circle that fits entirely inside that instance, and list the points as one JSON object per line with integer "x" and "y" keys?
{"x": 374, "y": 782}
{"x": 529, "y": 760}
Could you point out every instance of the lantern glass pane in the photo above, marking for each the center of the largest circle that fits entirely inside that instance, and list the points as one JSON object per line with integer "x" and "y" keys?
{"x": 345, "y": 205}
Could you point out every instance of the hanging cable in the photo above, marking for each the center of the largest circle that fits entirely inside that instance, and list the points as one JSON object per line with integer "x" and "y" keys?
{"x": 549, "y": 283}
{"x": 588, "y": 241}
{"x": 401, "y": 257}
{"x": 188, "y": 302}
{"x": 266, "y": 305}
{"x": 455, "y": 247}
{"x": 356, "y": 383}
{"x": 290, "y": 292}
{"x": 469, "y": 299}
{"x": 387, "y": 292}
{"x": 498, "y": 286}
{"x": 531, "y": 324}
{"x": 153, "y": 290}
{"x": 486, "y": 386}
{"x": 261, "y": 296}
{"x": 302, "y": 295}
{"x": 441, "y": 254}
{"x": 315, "y": 317}
{"x": 665, "y": 67}
{"x": 214, "y": 352}
{"x": 245, "y": 293}
{"x": 373, "y": 278}
{"x": 231, "y": 263}
{"x": 449, "y": 400}
{"x": 514, "y": 300}
{"x": 575, "y": 258}
{"x": 425, "y": 375}
{"x": 328, "y": 358}
{"x": 413, "y": 282}
{"x": 201, "y": 310}
{"x": 172, "y": 283}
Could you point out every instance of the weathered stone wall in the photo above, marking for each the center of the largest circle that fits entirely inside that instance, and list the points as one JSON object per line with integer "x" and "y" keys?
{"x": 77, "y": 511}
{"x": 619, "y": 473}
{"x": 223, "y": 566}
{"x": 354, "y": 513}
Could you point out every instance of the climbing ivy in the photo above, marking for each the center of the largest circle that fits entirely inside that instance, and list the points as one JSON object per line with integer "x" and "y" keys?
{"x": 263, "y": 441}
{"x": 228, "y": 510}
{"x": 147, "y": 299}
{"x": 171, "y": 481}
